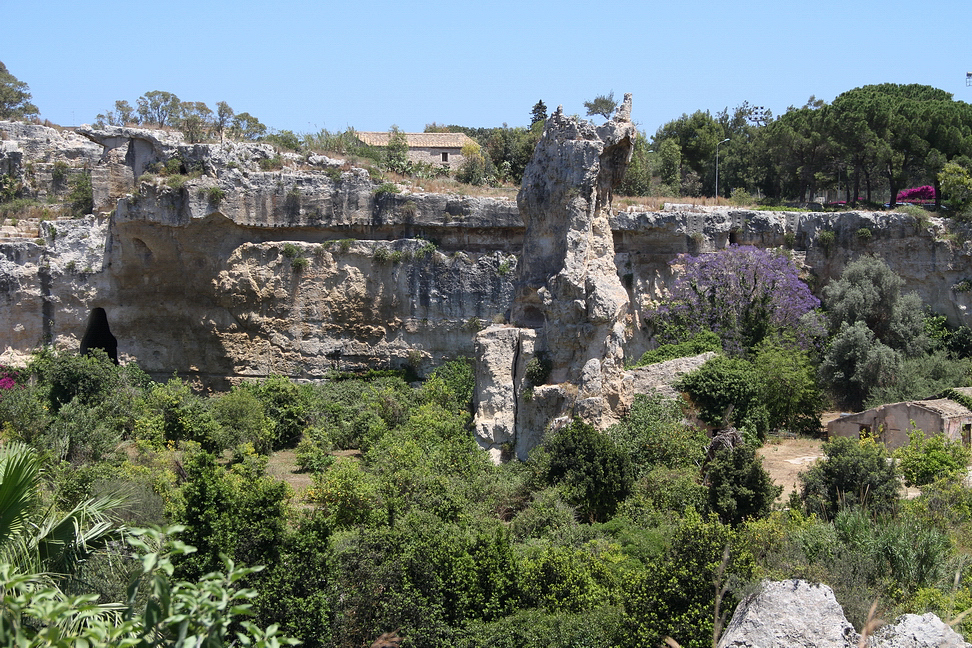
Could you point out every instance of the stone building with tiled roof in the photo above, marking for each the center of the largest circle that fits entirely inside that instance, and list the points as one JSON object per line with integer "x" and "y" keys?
{"x": 892, "y": 423}
{"x": 431, "y": 148}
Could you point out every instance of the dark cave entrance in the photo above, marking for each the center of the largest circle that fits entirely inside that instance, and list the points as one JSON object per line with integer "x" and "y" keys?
{"x": 98, "y": 336}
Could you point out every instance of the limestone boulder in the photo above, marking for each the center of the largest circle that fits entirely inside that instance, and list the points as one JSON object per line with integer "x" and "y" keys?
{"x": 798, "y": 614}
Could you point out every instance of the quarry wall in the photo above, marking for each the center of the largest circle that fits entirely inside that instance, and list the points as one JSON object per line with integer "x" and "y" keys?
{"x": 252, "y": 263}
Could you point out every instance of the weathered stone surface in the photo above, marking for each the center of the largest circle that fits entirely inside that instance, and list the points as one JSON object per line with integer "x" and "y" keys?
{"x": 660, "y": 377}
{"x": 498, "y": 363}
{"x": 917, "y": 631}
{"x": 569, "y": 290}
{"x": 789, "y": 614}
{"x": 798, "y": 614}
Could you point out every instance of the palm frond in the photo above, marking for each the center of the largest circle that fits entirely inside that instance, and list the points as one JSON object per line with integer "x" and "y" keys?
{"x": 19, "y": 475}
{"x": 62, "y": 543}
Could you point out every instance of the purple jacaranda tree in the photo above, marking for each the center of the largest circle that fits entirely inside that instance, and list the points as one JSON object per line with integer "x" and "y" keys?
{"x": 743, "y": 294}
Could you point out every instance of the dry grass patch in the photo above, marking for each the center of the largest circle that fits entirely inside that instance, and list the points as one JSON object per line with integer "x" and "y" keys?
{"x": 785, "y": 459}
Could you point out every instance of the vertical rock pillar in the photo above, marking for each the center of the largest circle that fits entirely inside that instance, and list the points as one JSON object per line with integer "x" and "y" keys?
{"x": 568, "y": 294}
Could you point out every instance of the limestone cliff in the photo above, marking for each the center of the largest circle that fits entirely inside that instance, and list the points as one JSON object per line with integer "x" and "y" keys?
{"x": 228, "y": 261}
{"x": 570, "y": 306}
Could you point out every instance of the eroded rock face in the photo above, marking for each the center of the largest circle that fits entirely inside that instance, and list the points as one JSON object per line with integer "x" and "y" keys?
{"x": 568, "y": 289}
{"x": 251, "y": 261}
{"x": 795, "y": 613}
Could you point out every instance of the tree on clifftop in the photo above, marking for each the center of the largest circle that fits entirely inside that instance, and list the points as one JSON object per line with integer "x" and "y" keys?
{"x": 603, "y": 105}
{"x": 14, "y": 97}
{"x": 158, "y": 107}
{"x": 539, "y": 113}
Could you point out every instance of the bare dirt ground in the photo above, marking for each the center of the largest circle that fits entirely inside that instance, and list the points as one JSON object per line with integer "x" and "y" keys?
{"x": 785, "y": 459}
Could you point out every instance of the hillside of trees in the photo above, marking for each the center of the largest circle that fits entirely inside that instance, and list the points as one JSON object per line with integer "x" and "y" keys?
{"x": 616, "y": 538}
{"x": 143, "y": 513}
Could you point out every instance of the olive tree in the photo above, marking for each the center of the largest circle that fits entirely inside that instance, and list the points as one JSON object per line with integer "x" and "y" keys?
{"x": 603, "y": 105}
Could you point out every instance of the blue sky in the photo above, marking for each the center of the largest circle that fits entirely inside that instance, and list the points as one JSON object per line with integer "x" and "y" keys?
{"x": 369, "y": 64}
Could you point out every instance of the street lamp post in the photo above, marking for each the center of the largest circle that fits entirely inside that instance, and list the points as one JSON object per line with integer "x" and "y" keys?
{"x": 717, "y": 167}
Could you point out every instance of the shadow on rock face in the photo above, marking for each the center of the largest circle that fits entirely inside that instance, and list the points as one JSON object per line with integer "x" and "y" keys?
{"x": 98, "y": 335}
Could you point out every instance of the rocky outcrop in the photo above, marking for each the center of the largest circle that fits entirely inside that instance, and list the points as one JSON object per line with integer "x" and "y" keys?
{"x": 795, "y": 613}
{"x": 226, "y": 261}
{"x": 660, "y": 378}
{"x": 568, "y": 289}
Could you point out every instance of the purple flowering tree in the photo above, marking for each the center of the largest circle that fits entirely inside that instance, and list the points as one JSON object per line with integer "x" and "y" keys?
{"x": 917, "y": 194}
{"x": 743, "y": 294}
{"x": 8, "y": 378}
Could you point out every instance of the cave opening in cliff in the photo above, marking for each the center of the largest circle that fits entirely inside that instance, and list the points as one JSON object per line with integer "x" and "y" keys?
{"x": 98, "y": 335}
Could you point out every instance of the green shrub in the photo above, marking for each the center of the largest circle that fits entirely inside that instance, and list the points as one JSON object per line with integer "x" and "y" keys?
{"x": 913, "y": 210}
{"x": 313, "y": 453}
{"x": 864, "y": 234}
{"x": 241, "y": 417}
{"x": 59, "y": 171}
{"x": 290, "y": 250}
{"x": 458, "y": 379}
{"x": 538, "y": 369}
{"x": 82, "y": 195}
{"x": 740, "y": 197}
{"x": 427, "y": 248}
{"x": 386, "y": 188}
{"x": 927, "y": 459}
{"x": 594, "y": 474}
{"x": 788, "y": 384}
{"x": 271, "y": 164}
{"x": 826, "y": 240}
{"x": 855, "y": 473}
{"x": 299, "y": 264}
{"x": 215, "y": 195}
{"x": 701, "y": 342}
{"x": 176, "y": 181}
{"x": 653, "y": 434}
{"x": 172, "y": 166}
{"x": 677, "y": 596}
{"x": 728, "y": 390}
{"x": 381, "y": 255}
{"x": 739, "y": 488}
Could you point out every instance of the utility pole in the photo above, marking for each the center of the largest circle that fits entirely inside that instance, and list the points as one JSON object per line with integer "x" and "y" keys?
{"x": 717, "y": 167}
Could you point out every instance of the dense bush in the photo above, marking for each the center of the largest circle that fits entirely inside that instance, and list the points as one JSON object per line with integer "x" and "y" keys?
{"x": 594, "y": 474}
{"x": 677, "y": 596}
{"x": 928, "y": 459}
{"x": 653, "y": 433}
{"x": 788, "y": 386}
{"x": 726, "y": 391}
{"x": 855, "y": 473}
{"x": 876, "y": 329}
{"x": 739, "y": 488}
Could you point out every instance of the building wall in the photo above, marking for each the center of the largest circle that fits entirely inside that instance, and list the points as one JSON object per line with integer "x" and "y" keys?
{"x": 892, "y": 424}
{"x": 433, "y": 155}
